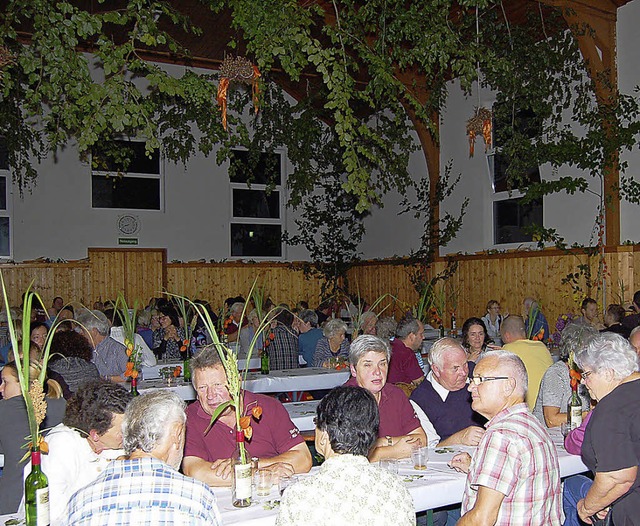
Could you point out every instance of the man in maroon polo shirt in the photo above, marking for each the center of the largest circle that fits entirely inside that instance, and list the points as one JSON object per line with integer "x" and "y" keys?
{"x": 403, "y": 366}
{"x": 276, "y": 440}
{"x": 400, "y": 429}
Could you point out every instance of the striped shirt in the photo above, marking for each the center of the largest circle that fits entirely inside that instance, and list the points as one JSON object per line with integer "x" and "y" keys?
{"x": 517, "y": 458}
{"x": 143, "y": 492}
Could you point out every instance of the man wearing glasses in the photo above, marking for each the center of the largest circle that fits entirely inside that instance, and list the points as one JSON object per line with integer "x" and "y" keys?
{"x": 513, "y": 478}
{"x": 276, "y": 440}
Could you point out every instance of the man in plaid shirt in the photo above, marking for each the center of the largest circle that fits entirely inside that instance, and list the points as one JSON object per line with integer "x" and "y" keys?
{"x": 146, "y": 488}
{"x": 513, "y": 478}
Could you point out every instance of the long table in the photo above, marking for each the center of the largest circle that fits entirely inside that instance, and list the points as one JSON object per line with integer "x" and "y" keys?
{"x": 438, "y": 486}
{"x": 153, "y": 371}
{"x": 303, "y": 379}
{"x": 302, "y": 414}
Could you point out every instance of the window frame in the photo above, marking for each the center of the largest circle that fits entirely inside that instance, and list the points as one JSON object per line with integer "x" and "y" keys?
{"x": 160, "y": 177}
{"x": 8, "y": 212}
{"x": 281, "y": 221}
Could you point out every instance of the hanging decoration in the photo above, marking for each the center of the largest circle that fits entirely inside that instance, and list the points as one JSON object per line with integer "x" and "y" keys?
{"x": 479, "y": 124}
{"x": 237, "y": 69}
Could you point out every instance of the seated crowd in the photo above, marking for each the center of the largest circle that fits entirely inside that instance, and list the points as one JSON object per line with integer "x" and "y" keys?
{"x": 496, "y": 390}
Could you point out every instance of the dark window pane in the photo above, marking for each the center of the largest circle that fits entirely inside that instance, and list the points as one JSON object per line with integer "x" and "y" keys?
{"x": 256, "y": 203}
{"x": 126, "y": 156}
{"x": 3, "y": 193}
{"x": 251, "y": 240}
{"x": 136, "y": 193}
{"x": 508, "y": 121}
{"x": 264, "y": 168}
{"x": 498, "y": 169}
{"x": 4, "y": 237}
{"x": 510, "y": 217}
{"x": 4, "y": 155}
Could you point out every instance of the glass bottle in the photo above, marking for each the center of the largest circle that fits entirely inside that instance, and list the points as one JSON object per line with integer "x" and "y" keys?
{"x": 264, "y": 362}
{"x": 36, "y": 493}
{"x": 186, "y": 367}
{"x": 134, "y": 387}
{"x": 454, "y": 326}
{"x": 574, "y": 409}
{"x": 241, "y": 484}
{"x": 441, "y": 329}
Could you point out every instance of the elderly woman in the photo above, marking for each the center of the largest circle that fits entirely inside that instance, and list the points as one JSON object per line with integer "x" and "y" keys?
{"x": 555, "y": 388}
{"x": 347, "y": 427}
{"x": 492, "y": 321}
{"x": 169, "y": 338}
{"x": 400, "y": 431}
{"x": 70, "y": 361}
{"x": 386, "y": 328}
{"x": 611, "y": 447}
{"x": 15, "y": 427}
{"x": 474, "y": 338}
{"x": 247, "y": 333}
{"x": 334, "y": 343}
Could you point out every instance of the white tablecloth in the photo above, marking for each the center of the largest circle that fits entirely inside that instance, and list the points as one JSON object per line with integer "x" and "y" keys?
{"x": 305, "y": 379}
{"x": 154, "y": 371}
{"x": 438, "y": 486}
{"x": 302, "y": 414}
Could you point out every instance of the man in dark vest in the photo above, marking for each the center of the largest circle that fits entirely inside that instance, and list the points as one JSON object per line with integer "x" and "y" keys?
{"x": 444, "y": 397}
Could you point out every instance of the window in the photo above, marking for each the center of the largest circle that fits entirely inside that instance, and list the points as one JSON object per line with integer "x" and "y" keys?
{"x": 256, "y": 204}
{"x": 5, "y": 203}
{"x": 124, "y": 177}
{"x": 510, "y": 217}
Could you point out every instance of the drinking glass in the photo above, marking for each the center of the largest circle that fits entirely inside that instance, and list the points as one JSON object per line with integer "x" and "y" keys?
{"x": 264, "y": 481}
{"x": 419, "y": 457}
{"x": 390, "y": 464}
{"x": 285, "y": 482}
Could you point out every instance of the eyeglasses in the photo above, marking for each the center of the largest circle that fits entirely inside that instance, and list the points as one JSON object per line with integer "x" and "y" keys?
{"x": 585, "y": 374}
{"x": 477, "y": 380}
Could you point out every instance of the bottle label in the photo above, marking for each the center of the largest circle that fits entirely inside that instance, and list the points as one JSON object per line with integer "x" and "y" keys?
{"x": 243, "y": 481}
{"x": 576, "y": 416}
{"x": 42, "y": 507}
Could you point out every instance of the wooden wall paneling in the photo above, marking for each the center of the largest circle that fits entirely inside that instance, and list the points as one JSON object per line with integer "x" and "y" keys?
{"x": 107, "y": 274}
{"x": 145, "y": 274}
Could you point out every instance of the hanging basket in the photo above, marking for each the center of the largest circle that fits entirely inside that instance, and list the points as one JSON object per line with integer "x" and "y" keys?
{"x": 241, "y": 70}
{"x": 480, "y": 124}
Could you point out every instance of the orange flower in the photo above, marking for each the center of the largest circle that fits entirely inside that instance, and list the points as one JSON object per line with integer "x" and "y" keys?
{"x": 183, "y": 348}
{"x": 186, "y": 342}
{"x": 128, "y": 352}
{"x": 248, "y": 433}
{"x": 257, "y": 412}
{"x": 272, "y": 336}
{"x": 44, "y": 447}
{"x": 134, "y": 374}
{"x": 129, "y": 366}
{"x": 177, "y": 371}
{"x": 245, "y": 422}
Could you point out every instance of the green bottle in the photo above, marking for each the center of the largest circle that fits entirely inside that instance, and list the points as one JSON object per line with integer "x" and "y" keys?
{"x": 134, "y": 387}
{"x": 36, "y": 493}
{"x": 264, "y": 362}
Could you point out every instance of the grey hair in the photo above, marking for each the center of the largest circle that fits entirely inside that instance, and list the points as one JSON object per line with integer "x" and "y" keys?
{"x": 144, "y": 318}
{"x": 610, "y": 351}
{"x": 441, "y": 346}
{"x": 365, "y": 343}
{"x": 333, "y": 327}
{"x": 253, "y": 315}
{"x": 635, "y": 330}
{"x": 309, "y": 316}
{"x": 94, "y": 319}
{"x": 238, "y": 306}
{"x": 148, "y": 419}
{"x": 575, "y": 336}
{"x": 386, "y": 327}
{"x": 407, "y": 326}
{"x": 205, "y": 359}
{"x": 513, "y": 366}
{"x": 366, "y": 315}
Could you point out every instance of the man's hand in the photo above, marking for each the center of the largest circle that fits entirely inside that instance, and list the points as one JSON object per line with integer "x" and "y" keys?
{"x": 461, "y": 462}
{"x": 469, "y": 436}
{"x": 222, "y": 468}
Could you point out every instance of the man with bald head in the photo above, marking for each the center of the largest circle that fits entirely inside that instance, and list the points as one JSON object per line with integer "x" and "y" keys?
{"x": 444, "y": 398}
{"x": 634, "y": 339}
{"x": 534, "y": 354}
{"x": 513, "y": 478}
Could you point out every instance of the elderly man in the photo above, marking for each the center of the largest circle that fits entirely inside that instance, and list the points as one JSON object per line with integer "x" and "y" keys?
{"x": 400, "y": 430}
{"x": 82, "y": 446}
{"x": 146, "y": 486}
{"x": 534, "y": 354}
{"x": 276, "y": 441}
{"x": 514, "y": 476}
{"x": 346, "y": 428}
{"x": 634, "y": 339}
{"x": 444, "y": 396}
{"x": 309, "y": 334}
{"x": 404, "y": 367}
{"x": 532, "y": 315}
{"x": 109, "y": 355}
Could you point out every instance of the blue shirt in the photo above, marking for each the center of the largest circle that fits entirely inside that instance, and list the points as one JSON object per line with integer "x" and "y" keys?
{"x": 307, "y": 342}
{"x": 145, "y": 492}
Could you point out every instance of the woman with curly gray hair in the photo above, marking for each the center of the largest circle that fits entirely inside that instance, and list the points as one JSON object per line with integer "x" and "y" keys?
{"x": 555, "y": 388}
{"x": 611, "y": 447}
{"x": 334, "y": 343}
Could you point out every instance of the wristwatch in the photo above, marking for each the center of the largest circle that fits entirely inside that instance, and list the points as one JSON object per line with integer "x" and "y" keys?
{"x": 389, "y": 440}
